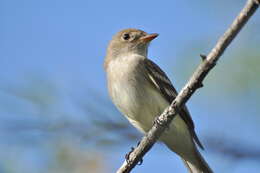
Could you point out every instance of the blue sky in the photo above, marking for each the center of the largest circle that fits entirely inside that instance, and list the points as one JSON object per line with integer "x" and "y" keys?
{"x": 64, "y": 43}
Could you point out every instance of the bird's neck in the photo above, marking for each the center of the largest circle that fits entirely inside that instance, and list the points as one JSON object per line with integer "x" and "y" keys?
{"x": 123, "y": 57}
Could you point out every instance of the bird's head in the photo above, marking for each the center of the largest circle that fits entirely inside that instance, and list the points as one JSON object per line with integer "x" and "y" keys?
{"x": 129, "y": 41}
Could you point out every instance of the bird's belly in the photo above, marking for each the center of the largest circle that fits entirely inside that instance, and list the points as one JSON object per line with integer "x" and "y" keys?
{"x": 143, "y": 104}
{"x": 151, "y": 106}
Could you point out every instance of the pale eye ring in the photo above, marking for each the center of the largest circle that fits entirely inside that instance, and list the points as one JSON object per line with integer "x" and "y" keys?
{"x": 126, "y": 36}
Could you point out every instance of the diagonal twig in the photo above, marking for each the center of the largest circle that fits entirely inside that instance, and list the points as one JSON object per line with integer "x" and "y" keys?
{"x": 191, "y": 86}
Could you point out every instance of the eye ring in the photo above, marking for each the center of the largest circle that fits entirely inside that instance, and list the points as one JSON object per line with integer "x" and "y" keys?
{"x": 126, "y": 36}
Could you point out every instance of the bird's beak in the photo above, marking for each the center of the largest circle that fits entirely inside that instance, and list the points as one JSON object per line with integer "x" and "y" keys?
{"x": 149, "y": 37}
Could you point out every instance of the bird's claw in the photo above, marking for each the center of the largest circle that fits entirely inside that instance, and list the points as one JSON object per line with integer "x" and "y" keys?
{"x": 128, "y": 155}
{"x": 140, "y": 162}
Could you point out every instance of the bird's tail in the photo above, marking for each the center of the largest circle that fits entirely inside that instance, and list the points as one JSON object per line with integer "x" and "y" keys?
{"x": 198, "y": 164}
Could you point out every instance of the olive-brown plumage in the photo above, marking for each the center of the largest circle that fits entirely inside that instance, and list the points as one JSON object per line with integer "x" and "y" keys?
{"x": 141, "y": 91}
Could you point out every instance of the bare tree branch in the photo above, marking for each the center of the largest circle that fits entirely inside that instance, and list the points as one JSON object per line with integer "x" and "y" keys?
{"x": 192, "y": 85}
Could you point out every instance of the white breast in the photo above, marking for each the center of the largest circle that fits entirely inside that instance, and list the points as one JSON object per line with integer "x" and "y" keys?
{"x": 133, "y": 95}
{"x": 140, "y": 103}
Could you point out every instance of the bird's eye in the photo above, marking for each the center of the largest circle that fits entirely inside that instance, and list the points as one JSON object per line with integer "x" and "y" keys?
{"x": 126, "y": 36}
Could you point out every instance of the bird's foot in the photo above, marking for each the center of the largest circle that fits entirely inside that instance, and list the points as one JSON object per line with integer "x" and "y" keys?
{"x": 127, "y": 156}
{"x": 141, "y": 160}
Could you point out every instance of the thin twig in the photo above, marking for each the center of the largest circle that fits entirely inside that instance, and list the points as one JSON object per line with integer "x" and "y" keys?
{"x": 192, "y": 85}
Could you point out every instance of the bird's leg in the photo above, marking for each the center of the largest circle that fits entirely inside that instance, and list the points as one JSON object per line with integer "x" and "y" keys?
{"x": 141, "y": 160}
{"x": 128, "y": 154}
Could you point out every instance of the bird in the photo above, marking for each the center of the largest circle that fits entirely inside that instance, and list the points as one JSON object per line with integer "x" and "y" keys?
{"x": 141, "y": 91}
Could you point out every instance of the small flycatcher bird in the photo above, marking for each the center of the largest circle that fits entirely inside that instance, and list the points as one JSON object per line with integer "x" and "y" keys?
{"x": 141, "y": 91}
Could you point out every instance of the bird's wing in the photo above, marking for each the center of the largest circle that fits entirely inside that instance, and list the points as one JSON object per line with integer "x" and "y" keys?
{"x": 162, "y": 83}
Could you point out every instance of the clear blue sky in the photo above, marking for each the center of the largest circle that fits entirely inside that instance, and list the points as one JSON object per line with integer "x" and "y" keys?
{"x": 65, "y": 42}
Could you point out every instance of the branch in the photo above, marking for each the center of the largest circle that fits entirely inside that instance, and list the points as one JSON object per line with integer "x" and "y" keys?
{"x": 192, "y": 85}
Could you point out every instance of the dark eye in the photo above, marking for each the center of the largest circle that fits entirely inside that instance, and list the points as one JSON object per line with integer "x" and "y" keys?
{"x": 126, "y": 36}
